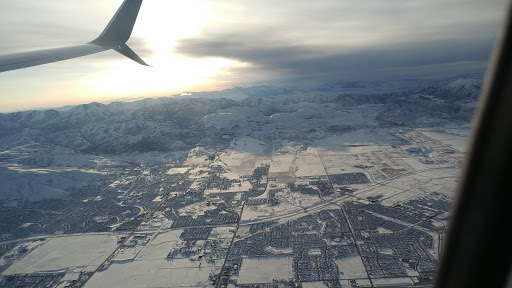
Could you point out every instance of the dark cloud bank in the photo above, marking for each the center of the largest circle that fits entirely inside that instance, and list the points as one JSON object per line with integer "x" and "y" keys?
{"x": 374, "y": 40}
{"x": 418, "y": 59}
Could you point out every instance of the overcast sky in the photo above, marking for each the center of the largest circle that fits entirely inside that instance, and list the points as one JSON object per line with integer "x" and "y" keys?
{"x": 208, "y": 45}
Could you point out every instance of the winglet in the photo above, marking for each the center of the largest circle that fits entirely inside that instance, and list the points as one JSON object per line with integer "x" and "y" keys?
{"x": 119, "y": 30}
{"x": 115, "y": 35}
{"x": 126, "y": 51}
{"x": 120, "y": 27}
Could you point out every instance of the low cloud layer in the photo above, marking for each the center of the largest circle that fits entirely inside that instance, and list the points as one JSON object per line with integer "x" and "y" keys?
{"x": 328, "y": 40}
{"x": 334, "y": 62}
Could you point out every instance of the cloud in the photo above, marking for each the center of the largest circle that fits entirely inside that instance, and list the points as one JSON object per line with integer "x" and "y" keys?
{"x": 271, "y": 42}
{"x": 34, "y": 25}
{"x": 336, "y": 61}
{"x": 323, "y": 40}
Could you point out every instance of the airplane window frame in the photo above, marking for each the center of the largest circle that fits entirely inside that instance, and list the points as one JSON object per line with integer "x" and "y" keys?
{"x": 477, "y": 252}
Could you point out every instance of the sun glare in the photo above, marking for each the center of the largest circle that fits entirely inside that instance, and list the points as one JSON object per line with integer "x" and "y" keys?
{"x": 161, "y": 24}
{"x": 170, "y": 74}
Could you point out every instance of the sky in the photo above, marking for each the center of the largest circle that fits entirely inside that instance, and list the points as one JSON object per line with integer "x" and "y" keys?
{"x": 195, "y": 45}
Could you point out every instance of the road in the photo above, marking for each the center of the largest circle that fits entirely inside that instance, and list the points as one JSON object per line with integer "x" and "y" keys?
{"x": 118, "y": 247}
{"x": 230, "y": 246}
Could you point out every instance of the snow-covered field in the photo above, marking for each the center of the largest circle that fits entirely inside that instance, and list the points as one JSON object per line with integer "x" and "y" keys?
{"x": 150, "y": 268}
{"x": 61, "y": 254}
{"x": 351, "y": 268}
{"x": 392, "y": 282}
{"x": 176, "y": 172}
{"x": 265, "y": 270}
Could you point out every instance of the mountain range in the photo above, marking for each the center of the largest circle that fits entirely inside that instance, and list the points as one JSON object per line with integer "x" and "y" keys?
{"x": 64, "y": 143}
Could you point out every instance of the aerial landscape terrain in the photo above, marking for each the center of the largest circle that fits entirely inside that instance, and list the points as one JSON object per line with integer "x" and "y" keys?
{"x": 347, "y": 184}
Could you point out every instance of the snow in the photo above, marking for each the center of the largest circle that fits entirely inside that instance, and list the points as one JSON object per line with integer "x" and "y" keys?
{"x": 309, "y": 164}
{"x": 249, "y": 145}
{"x": 394, "y": 196}
{"x": 256, "y": 212}
{"x": 458, "y": 142}
{"x": 243, "y": 156}
{"x": 127, "y": 254}
{"x": 130, "y": 274}
{"x": 244, "y": 186}
{"x": 235, "y": 159}
{"x": 36, "y": 184}
{"x": 150, "y": 268}
{"x": 171, "y": 236}
{"x": 392, "y": 282}
{"x": 282, "y": 163}
{"x": 300, "y": 139}
{"x": 384, "y": 230}
{"x": 359, "y": 138}
{"x": 351, "y": 267}
{"x": 265, "y": 269}
{"x": 71, "y": 276}
{"x": 59, "y": 254}
{"x": 182, "y": 275}
{"x": 279, "y": 251}
{"x": 178, "y": 170}
{"x": 414, "y": 163}
{"x": 314, "y": 285}
{"x": 363, "y": 283}
{"x": 136, "y": 270}
{"x": 411, "y": 272}
{"x": 386, "y": 251}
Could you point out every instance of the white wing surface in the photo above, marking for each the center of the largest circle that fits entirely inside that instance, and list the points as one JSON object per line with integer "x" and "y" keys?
{"x": 115, "y": 36}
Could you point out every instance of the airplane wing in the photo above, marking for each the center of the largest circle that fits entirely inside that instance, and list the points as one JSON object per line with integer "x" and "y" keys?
{"x": 114, "y": 36}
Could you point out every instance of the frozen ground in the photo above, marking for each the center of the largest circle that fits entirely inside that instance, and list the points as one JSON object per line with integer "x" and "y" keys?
{"x": 297, "y": 188}
{"x": 65, "y": 253}
{"x": 396, "y": 176}
{"x": 265, "y": 270}
{"x": 393, "y": 282}
{"x": 151, "y": 268}
{"x": 351, "y": 268}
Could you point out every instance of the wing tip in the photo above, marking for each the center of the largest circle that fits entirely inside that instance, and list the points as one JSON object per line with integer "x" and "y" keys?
{"x": 120, "y": 27}
{"x": 129, "y": 53}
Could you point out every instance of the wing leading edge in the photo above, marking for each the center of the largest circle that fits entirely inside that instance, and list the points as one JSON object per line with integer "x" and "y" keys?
{"x": 114, "y": 36}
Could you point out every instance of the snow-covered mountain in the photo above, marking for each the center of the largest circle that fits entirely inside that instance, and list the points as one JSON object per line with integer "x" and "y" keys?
{"x": 53, "y": 150}
{"x": 168, "y": 124}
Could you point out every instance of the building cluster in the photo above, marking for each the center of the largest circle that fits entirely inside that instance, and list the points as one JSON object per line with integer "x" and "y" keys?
{"x": 196, "y": 234}
{"x": 349, "y": 178}
{"x": 317, "y": 242}
{"x": 272, "y": 197}
{"x": 389, "y": 241}
{"x": 32, "y": 280}
{"x": 210, "y": 217}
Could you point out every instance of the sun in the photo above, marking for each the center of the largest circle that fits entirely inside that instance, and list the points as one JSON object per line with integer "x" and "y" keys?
{"x": 171, "y": 74}
{"x": 161, "y": 23}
